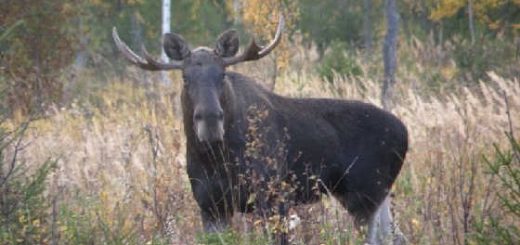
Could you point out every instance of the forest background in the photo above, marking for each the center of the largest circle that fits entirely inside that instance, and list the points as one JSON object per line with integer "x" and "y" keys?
{"x": 91, "y": 148}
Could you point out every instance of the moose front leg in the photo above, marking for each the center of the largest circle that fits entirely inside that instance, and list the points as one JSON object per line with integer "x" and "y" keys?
{"x": 214, "y": 199}
{"x": 215, "y": 222}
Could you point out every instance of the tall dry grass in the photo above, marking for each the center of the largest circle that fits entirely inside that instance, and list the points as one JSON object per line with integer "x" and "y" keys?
{"x": 121, "y": 177}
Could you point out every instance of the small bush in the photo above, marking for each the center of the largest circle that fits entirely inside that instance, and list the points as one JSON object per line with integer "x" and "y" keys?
{"x": 475, "y": 60}
{"x": 24, "y": 209}
{"x": 505, "y": 167}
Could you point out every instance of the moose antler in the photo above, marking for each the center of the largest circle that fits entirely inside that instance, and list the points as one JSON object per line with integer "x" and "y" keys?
{"x": 148, "y": 62}
{"x": 254, "y": 51}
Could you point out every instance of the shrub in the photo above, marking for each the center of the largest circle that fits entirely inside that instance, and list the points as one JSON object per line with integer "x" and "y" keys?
{"x": 505, "y": 167}
{"x": 24, "y": 215}
{"x": 475, "y": 60}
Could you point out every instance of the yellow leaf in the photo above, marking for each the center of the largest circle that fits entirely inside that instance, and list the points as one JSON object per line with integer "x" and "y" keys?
{"x": 447, "y": 8}
{"x": 416, "y": 223}
{"x": 63, "y": 228}
{"x": 21, "y": 219}
{"x": 251, "y": 198}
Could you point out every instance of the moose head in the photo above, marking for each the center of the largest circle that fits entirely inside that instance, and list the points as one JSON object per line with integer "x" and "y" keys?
{"x": 203, "y": 72}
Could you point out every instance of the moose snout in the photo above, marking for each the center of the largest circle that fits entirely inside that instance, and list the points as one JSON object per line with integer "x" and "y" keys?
{"x": 209, "y": 124}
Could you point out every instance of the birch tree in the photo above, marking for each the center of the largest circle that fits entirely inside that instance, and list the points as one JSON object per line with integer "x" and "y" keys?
{"x": 166, "y": 20}
{"x": 390, "y": 52}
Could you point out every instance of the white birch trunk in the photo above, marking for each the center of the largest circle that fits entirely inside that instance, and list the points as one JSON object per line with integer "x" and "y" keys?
{"x": 471, "y": 21}
{"x": 166, "y": 7}
{"x": 237, "y": 11}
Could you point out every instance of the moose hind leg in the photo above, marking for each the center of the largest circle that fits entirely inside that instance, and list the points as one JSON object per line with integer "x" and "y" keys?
{"x": 372, "y": 230}
{"x": 364, "y": 210}
{"x": 386, "y": 221}
{"x": 390, "y": 233}
{"x": 382, "y": 229}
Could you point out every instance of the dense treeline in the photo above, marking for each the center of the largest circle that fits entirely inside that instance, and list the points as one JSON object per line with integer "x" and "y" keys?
{"x": 41, "y": 38}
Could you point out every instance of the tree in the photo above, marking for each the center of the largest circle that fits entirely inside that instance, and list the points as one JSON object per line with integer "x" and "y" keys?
{"x": 490, "y": 14}
{"x": 471, "y": 21}
{"x": 390, "y": 52}
{"x": 166, "y": 21}
{"x": 325, "y": 22}
{"x": 33, "y": 54}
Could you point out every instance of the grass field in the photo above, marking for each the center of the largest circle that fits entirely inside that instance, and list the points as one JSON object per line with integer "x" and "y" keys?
{"x": 120, "y": 169}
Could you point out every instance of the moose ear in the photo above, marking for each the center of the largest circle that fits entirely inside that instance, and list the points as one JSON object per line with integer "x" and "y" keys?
{"x": 227, "y": 44}
{"x": 175, "y": 46}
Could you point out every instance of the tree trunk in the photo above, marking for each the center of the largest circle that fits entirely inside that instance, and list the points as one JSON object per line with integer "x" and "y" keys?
{"x": 237, "y": 11}
{"x": 390, "y": 53}
{"x": 390, "y": 65}
{"x": 166, "y": 20}
{"x": 137, "y": 40}
{"x": 81, "y": 55}
{"x": 471, "y": 21}
{"x": 367, "y": 26}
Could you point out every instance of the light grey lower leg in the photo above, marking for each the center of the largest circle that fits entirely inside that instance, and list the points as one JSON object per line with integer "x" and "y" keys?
{"x": 389, "y": 233}
{"x": 372, "y": 230}
{"x": 386, "y": 222}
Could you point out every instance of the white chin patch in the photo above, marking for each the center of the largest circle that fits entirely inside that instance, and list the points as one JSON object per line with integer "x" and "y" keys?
{"x": 209, "y": 134}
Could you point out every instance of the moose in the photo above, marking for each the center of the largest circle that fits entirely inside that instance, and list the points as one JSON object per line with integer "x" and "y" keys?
{"x": 243, "y": 141}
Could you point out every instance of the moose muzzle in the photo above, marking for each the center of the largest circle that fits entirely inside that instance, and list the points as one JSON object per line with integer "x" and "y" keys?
{"x": 209, "y": 123}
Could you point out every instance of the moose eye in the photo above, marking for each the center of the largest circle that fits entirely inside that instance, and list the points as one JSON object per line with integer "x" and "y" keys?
{"x": 185, "y": 79}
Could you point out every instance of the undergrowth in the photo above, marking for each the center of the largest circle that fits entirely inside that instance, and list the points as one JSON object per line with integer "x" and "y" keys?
{"x": 117, "y": 169}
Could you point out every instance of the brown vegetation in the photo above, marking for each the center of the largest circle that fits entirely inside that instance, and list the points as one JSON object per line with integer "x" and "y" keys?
{"x": 120, "y": 163}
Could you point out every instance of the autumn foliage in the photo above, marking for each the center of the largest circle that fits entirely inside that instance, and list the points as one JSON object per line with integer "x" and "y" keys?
{"x": 104, "y": 163}
{"x": 34, "y": 52}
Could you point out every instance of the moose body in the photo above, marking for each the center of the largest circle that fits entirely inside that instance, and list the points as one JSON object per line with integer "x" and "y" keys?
{"x": 354, "y": 149}
{"x": 242, "y": 139}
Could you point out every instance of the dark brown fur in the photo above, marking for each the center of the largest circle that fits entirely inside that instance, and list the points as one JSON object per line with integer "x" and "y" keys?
{"x": 354, "y": 149}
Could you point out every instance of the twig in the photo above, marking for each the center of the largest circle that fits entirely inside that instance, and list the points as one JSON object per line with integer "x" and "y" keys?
{"x": 511, "y": 133}
{"x": 17, "y": 148}
{"x": 347, "y": 171}
{"x": 508, "y": 112}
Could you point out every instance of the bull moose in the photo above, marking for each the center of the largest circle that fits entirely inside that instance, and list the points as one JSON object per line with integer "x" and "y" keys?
{"x": 243, "y": 141}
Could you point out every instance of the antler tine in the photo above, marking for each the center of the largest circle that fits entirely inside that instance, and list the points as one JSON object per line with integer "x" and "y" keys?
{"x": 127, "y": 52}
{"x": 276, "y": 40}
{"x": 254, "y": 51}
{"x": 158, "y": 65}
{"x": 147, "y": 63}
